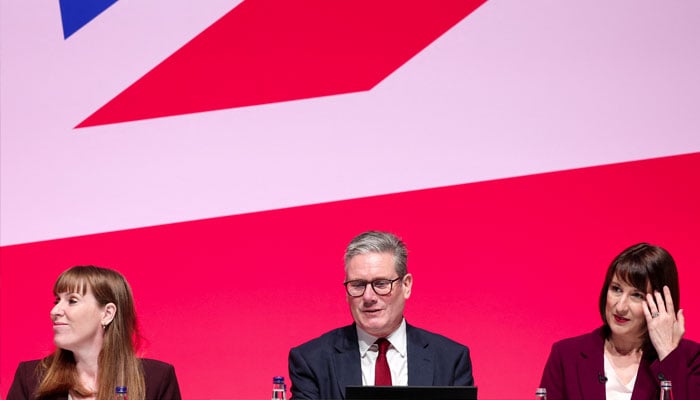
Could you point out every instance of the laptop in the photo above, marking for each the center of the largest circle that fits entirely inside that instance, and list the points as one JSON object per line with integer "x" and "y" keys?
{"x": 410, "y": 393}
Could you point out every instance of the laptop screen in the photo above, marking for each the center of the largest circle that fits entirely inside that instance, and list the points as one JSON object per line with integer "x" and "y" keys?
{"x": 410, "y": 393}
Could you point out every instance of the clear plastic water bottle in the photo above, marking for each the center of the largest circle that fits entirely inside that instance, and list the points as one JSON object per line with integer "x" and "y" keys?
{"x": 541, "y": 394}
{"x": 279, "y": 389}
{"x": 666, "y": 392}
{"x": 120, "y": 393}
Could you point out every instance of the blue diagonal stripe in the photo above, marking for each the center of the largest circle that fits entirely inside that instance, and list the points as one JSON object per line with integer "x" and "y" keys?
{"x": 77, "y": 13}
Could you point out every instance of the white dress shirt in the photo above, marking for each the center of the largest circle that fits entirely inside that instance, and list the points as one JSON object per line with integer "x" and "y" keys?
{"x": 396, "y": 355}
{"x": 614, "y": 389}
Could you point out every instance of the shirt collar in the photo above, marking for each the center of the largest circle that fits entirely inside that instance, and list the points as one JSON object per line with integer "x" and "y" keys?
{"x": 396, "y": 338}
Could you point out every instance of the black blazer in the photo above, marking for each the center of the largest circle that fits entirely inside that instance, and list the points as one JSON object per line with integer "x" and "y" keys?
{"x": 323, "y": 367}
{"x": 161, "y": 382}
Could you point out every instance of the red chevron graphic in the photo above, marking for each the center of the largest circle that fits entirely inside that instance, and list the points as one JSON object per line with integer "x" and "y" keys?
{"x": 266, "y": 51}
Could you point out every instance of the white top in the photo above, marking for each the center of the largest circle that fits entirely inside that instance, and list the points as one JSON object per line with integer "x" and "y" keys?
{"x": 396, "y": 356}
{"x": 614, "y": 389}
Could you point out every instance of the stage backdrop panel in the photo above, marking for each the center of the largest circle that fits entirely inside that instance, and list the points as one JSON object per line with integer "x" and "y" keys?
{"x": 221, "y": 154}
{"x": 506, "y": 267}
{"x": 512, "y": 88}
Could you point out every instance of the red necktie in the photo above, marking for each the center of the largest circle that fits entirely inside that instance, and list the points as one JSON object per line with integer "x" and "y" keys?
{"x": 382, "y": 373}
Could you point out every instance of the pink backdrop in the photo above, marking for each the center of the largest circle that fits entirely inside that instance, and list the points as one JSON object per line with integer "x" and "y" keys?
{"x": 227, "y": 154}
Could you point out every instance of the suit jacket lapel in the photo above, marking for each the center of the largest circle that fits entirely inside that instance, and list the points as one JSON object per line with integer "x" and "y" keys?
{"x": 591, "y": 371}
{"x": 346, "y": 360}
{"x": 420, "y": 359}
{"x": 591, "y": 362}
{"x": 645, "y": 383}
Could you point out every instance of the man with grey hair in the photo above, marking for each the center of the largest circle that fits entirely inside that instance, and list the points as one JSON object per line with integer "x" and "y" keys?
{"x": 379, "y": 348}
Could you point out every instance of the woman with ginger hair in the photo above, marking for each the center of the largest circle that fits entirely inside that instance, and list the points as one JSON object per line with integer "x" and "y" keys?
{"x": 96, "y": 338}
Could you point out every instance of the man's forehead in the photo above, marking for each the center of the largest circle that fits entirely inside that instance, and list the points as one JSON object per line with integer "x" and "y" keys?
{"x": 371, "y": 264}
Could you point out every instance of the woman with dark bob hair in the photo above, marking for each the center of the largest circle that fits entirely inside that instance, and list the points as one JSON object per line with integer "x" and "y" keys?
{"x": 640, "y": 343}
{"x": 96, "y": 338}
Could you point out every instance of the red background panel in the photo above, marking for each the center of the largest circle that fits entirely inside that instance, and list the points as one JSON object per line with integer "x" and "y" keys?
{"x": 270, "y": 51}
{"x": 506, "y": 267}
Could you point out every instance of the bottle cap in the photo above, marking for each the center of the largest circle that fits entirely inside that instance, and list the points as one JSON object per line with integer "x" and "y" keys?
{"x": 666, "y": 384}
{"x": 278, "y": 379}
{"x": 120, "y": 389}
{"x": 540, "y": 391}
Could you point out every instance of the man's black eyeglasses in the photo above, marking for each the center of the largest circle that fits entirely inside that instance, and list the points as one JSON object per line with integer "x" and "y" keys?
{"x": 382, "y": 287}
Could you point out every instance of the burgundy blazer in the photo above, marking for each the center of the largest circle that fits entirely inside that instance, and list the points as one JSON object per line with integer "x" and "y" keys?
{"x": 574, "y": 371}
{"x": 161, "y": 382}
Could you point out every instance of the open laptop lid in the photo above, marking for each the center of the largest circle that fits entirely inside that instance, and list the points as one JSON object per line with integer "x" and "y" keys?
{"x": 410, "y": 393}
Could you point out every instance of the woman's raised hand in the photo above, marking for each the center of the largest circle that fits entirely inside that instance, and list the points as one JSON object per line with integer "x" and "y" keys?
{"x": 665, "y": 326}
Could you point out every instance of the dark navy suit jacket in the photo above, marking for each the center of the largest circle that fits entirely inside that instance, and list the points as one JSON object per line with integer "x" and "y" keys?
{"x": 574, "y": 371}
{"x": 323, "y": 367}
{"x": 161, "y": 383}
